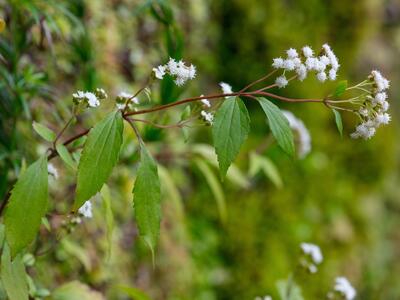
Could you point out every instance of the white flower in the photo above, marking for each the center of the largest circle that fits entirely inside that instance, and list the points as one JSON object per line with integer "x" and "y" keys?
{"x": 51, "y": 169}
{"x": 379, "y": 98}
{"x": 208, "y": 117}
{"x": 79, "y": 94}
{"x": 321, "y": 76}
{"x": 277, "y": 63}
{"x": 226, "y": 88}
{"x": 381, "y": 82}
{"x": 292, "y": 53}
{"x": 313, "y": 251}
{"x": 364, "y": 130}
{"x": 382, "y": 119}
{"x": 92, "y": 99}
{"x": 312, "y": 63}
{"x": 343, "y": 287}
{"x": 205, "y": 102}
{"x": 363, "y": 111}
{"x": 289, "y": 65}
{"x": 281, "y": 81}
{"x": 304, "y": 137}
{"x": 301, "y": 72}
{"x": 332, "y": 74}
{"x": 86, "y": 209}
{"x": 384, "y": 106}
{"x": 159, "y": 72}
{"x": 125, "y": 95}
{"x": 307, "y": 51}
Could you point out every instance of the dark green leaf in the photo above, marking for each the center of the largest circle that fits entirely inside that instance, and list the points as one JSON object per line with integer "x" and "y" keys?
{"x": 147, "y": 198}
{"x": 279, "y": 126}
{"x": 13, "y": 276}
{"x": 230, "y": 129}
{"x": 338, "y": 120}
{"x": 99, "y": 156}
{"x": 340, "y": 88}
{"x": 44, "y": 132}
{"x": 27, "y": 205}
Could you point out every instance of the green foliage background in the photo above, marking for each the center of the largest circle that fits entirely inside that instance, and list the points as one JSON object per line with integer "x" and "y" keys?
{"x": 344, "y": 196}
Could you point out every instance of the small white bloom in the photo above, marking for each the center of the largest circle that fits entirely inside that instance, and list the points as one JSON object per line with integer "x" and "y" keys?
{"x": 226, "y": 88}
{"x": 92, "y": 99}
{"x": 384, "y": 106}
{"x": 382, "y": 119}
{"x": 292, "y": 53}
{"x": 281, "y": 81}
{"x": 301, "y": 72}
{"x": 159, "y": 72}
{"x": 277, "y": 63}
{"x": 208, "y": 117}
{"x": 51, "y": 169}
{"x": 205, "y": 102}
{"x": 125, "y": 95}
{"x": 364, "y": 130}
{"x": 307, "y": 51}
{"x": 325, "y": 60}
{"x": 380, "y": 98}
{"x": 289, "y": 65}
{"x": 332, "y": 74}
{"x": 381, "y": 82}
{"x": 321, "y": 76}
{"x": 86, "y": 209}
{"x": 363, "y": 111}
{"x": 343, "y": 287}
{"x": 79, "y": 94}
{"x": 313, "y": 251}
{"x": 311, "y": 63}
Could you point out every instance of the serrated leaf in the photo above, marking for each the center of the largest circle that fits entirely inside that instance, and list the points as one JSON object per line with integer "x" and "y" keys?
{"x": 99, "y": 156}
{"x": 215, "y": 187}
{"x": 108, "y": 216}
{"x": 230, "y": 130}
{"x": 261, "y": 163}
{"x": 279, "y": 126}
{"x": 340, "y": 88}
{"x": 27, "y": 205}
{"x": 65, "y": 156}
{"x": 338, "y": 121}
{"x": 44, "y": 132}
{"x": 147, "y": 199}
{"x": 13, "y": 276}
{"x": 75, "y": 290}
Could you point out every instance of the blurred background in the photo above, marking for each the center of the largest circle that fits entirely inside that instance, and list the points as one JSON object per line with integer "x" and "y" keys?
{"x": 219, "y": 240}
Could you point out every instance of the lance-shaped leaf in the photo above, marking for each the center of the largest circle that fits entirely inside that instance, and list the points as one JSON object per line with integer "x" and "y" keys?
{"x": 44, "y": 132}
{"x": 27, "y": 205}
{"x": 338, "y": 121}
{"x": 99, "y": 156}
{"x": 147, "y": 198}
{"x": 230, "y": 129}
{"x": 13, "y": 276}
{"x": 279, "y": 126}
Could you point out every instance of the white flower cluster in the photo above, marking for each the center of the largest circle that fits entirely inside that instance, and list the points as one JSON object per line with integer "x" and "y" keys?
{"x": 226, "y": 88}
{"x": 325, "y": 65}
{"x": 373, "y": 112}
{"x": 313, "y": 252}
{"x": 123, "y": 97}
{"x": 303, "y": 135}
{"x": 89, "y": 98}
{"x": 207, "y": 116}
{"x": 344, "y": 288}
{"x": 179, "y": 70}
{"x": 86, "y": 209}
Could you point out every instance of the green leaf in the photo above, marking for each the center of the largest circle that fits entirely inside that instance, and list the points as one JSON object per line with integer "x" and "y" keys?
{"x": 27, "y": 205}
{"x": 340, "y": 88}
{"x": 99, "y": 156}
{"x": 134, "y": 293}
{"x": 261, "y": 163}
{"x": 338, "y": 121}
{"x": 13, "y": 276}
{"x": 215, "y": 187}
{"x": 108, "y": 216}
{"x": 65, "y": 156}
{"x": 279, "y": 126}
{"x": 147, "y": 199}
{"x": 75, "y": 290}
{"x": 289, "y": 290}
{"x": 44, "y": 132}
{"x": 230, "y": 129}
